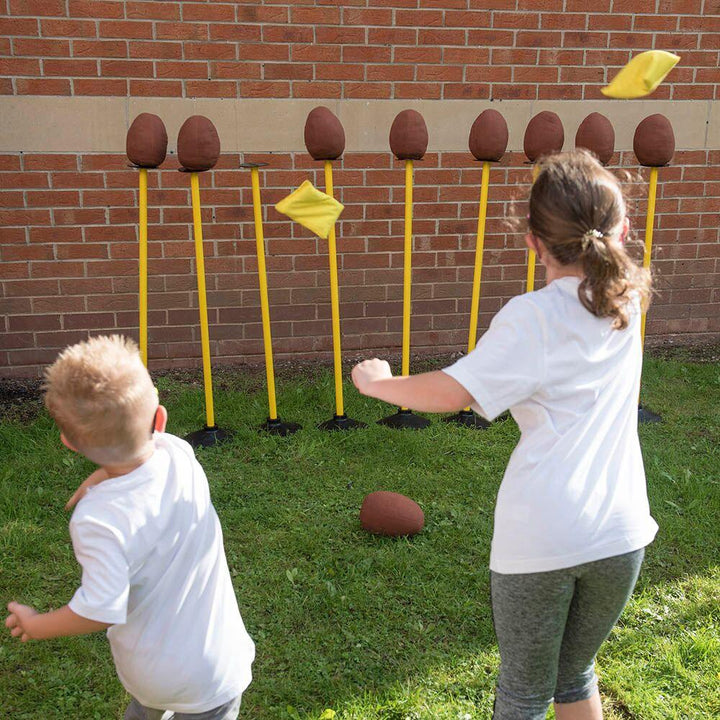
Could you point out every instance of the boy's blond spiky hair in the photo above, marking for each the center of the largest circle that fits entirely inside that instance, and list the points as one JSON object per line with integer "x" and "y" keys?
{"x": 101, "y": 396}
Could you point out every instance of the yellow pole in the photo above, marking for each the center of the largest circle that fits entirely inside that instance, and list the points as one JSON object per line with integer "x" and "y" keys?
{"x": 650, "y": 221}
{"x": 530, "y": 286}
{"x": 264, "y": 304}
{"x": 142, "y": 270}
{"x": 202, "y": 299}
{"x": 334, "y": 301}
{"x": 475, "y": 303}
{"x": 407, "y": 267}
{"x": 407, "y": 270}
{"x": 479, "y": 245}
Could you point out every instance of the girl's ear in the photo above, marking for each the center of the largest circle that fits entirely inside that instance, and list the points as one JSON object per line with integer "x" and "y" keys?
{"x": 161, "y": 418}
{"x": 66, "y": 443}
{"x": 534, "y": 244}
{"x": 625, "y": 230}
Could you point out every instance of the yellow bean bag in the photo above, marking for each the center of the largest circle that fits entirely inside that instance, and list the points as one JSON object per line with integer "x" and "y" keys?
{"x": 311, "y": 208}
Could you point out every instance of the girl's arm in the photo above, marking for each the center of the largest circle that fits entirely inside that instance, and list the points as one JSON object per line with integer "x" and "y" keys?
{"x": 27, "y": 624}
{"x": 427, "y": 392}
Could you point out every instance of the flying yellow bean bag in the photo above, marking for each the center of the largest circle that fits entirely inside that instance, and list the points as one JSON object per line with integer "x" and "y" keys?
{"x": 641, "y": 75}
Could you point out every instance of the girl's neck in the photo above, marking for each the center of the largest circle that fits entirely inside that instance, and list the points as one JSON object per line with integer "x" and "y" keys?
{"x": 554, "y": 270}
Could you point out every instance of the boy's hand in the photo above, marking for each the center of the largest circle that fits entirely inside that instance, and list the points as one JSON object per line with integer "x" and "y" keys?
{"x": 95, "y": 479}
{"x": 17, "y": 620}
{"x": 367, "y": 372}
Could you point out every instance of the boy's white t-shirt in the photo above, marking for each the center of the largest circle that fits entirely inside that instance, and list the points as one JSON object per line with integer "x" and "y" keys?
{"x": 151, "y": 550}
{"x": 574, "y": 489}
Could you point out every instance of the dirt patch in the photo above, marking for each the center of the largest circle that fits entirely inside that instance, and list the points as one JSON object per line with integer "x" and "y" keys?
{"x": 21, "y": 398}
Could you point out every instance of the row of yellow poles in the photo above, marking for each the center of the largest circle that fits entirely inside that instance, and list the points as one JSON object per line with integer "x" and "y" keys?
{"x": 334, "y": 289}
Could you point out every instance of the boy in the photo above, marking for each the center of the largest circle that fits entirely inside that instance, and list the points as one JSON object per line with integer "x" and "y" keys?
{"x": 154, "y": 572}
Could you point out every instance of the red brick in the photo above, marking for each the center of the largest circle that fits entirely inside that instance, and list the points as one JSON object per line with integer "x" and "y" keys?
{"x": 389, "y": 36}
{"x": 126, "y": 68}
{"x": 467, "y": 19}
{"x": 68, "y": 28}
{"x": 285, "y": 34}
{"x": 64, "y": 269}
{"x": 130, "y": 29}
{"x": 367, "y": 54}
{"x": 210, "y": 88}
{"x": 19, "y": 66}
{"x": 249, "y": 88}
{"x": 70, "y": 68}
{"x": 441, "y": 37}
{"x": 52, "y": 198}
{"x": 77, "y": 180}
{"x": 41, "y": 47}
{"x": 262, "y": 14}
{"x": 483, "y": 38}
{"x": 99, "y": 48}
{"x": 568, "y": 21}
{"x": 176, "y": 69}
{"x": 320, "y": 16}
{"x": 316, "y": 53}
{"x": 390, "y": 73}
{"x": 156, "y": 50}
{"x": 70, "y": 216}
{"x": 99, "y": 87}
{"x": 37, "y": 8}
{"x": 153, "y": 10}
{"x": 340, "y": 71}
{"x": 209, "y": 51}
{"x": 25, "y": 252}
{"x": 289, "y": 71}
{"x": 367, "y": 90}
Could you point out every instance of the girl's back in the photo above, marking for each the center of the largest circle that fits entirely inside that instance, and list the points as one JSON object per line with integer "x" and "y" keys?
{"x": 574, "y": 489}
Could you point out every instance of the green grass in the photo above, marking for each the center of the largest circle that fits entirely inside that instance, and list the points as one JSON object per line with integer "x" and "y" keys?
{"x": 375, "y": 629}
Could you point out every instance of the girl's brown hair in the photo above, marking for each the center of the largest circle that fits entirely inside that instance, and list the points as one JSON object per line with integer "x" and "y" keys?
{"x": 578, "y": 211}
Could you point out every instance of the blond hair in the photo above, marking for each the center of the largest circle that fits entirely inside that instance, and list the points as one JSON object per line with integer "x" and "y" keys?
{"x": 577, "y": 209}
{"x": 102, "y": 398}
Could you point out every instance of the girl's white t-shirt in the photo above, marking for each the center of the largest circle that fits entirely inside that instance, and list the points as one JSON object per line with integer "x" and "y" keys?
{"x": 574, "y": 489}
{"x": 151, "y": 550}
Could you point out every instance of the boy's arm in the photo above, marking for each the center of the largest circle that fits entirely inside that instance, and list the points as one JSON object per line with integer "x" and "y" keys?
{"x": 428, "y": 392}
{"x": 27, "y": 624}
{"x": 100, "y": 475}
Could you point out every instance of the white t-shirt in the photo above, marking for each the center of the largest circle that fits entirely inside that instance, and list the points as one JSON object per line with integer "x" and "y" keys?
{"x": 151, "y": 550}
{"x": 574, "y": 489}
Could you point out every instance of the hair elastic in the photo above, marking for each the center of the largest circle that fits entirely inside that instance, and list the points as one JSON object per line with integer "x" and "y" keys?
{"x": 590, "y": 236}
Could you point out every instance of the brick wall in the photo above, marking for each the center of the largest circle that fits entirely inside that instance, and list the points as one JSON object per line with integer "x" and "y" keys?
{"x": 68, "y": 245}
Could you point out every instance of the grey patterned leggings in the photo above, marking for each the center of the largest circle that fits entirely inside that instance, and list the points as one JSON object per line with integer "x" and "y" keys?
{"x": 228, "y": 711}
{"x": 549, "y": 627}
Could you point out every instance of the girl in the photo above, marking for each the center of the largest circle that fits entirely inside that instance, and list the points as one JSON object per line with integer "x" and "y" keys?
{"x": 572, "y": 516}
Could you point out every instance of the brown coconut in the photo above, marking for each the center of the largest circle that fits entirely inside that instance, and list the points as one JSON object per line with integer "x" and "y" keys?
{"x": 544, "y": 135}
{"x": 324, "y": 135}
{"x": 408, "y": 136}
{"x": 597, "y": 135}
{"x": 146, "y": 142}
{"x": 489, "y": 136}
{"x": 198, "y": 144}
{"x": 654, "y": 141}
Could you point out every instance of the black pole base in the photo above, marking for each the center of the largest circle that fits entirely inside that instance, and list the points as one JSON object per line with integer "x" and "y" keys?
{"x": 275, "y": 426}
{"x": 647, "y": 416}
{"x": 208, "y": 436}
{"x": 467, "y": 418}
{"x": 341, "y": 422}
{"x": 405, "y": 419}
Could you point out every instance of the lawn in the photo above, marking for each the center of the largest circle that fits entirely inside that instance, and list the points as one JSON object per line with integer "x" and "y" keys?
{"x": 372, "y": 628}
